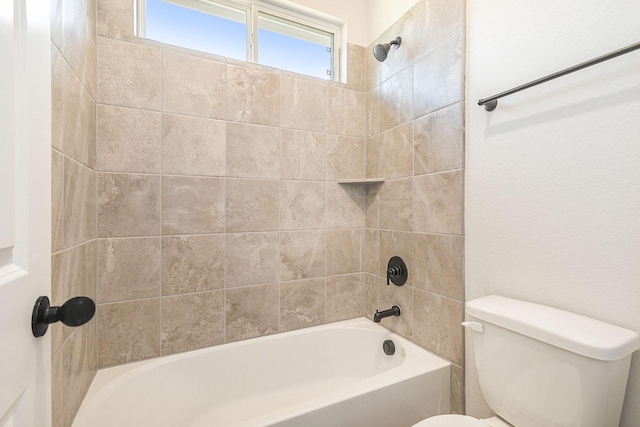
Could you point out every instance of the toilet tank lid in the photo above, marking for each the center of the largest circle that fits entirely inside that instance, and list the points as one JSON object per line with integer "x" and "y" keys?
{"x": 569, "y": 331}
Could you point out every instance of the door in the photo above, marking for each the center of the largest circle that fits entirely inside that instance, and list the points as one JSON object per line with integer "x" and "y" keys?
{"x": 25, "y": 206}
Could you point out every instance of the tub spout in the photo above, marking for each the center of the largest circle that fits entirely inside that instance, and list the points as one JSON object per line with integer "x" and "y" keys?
{"x": 393, "y": 311}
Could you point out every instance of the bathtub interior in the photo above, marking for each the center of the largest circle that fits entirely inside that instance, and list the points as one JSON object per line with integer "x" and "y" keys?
{"x": 263, "y": 381}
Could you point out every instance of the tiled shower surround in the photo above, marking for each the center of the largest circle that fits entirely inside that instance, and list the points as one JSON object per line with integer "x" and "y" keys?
{"x": 73, "y": 180}
{"x": 219, "y": 214}
{"x": 219, "y": 217}
{"x": 415, "y": 140}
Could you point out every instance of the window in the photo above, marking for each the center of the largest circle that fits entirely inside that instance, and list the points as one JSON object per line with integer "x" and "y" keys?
{"x": 250, "y": 31}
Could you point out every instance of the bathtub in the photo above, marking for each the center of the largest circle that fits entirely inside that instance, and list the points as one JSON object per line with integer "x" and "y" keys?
{"x": 330, "y": 375}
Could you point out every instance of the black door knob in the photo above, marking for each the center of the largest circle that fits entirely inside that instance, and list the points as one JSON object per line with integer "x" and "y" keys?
{"x": 75, "y": 312}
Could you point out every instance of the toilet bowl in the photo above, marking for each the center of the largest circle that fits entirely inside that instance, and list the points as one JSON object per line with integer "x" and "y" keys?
{"x": 461, "y": 421}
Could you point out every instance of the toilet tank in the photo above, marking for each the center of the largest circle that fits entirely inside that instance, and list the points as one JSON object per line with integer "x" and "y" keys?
{"x": 538, "y": 366}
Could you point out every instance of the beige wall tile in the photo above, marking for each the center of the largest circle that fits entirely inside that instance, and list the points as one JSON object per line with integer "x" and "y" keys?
{"x": 439, "y": 140}
{"x": 437, "y": 202}
{"x": 373, "y": 285}
{"x": 57, "y": 96}
{"x": 373, "y": 157}
{"x": 58, "y": 295}
{"x": 252, "y": 312}
{"x": 303, "y": 155}
{"x": 457, "y": 390}
{"x": 76, "y": 275}
{"x": 346, "y": 112}
{"x": 193, "y": 146}
{"x": 79, "y": 41}
{"x": 56, "y": 23}
{"x": 78, "y": 120}
{"x": 192, "y": 205}
{"x": 345, "y": 251}
{"x": 437, "y": 21}
{"x": 372, "y": 205}
{"x": 90, "y": 7}
{"x": 302, "y": 205}
{"x": 396, "y": 99}
{"x": 128, "y": 269}
{"x": 58, "y": 386}
{"x": 69, "y": 278}
{"x": 193, "y": 263}
{"x": 128, "y": 205}
{"x": 302, "y": 304}
{"x": 345, "y": 157}
{"x": 252, "y": 259}
{"x": 252, "y": 205}
{"x": 73, "y": 130}
{"x": 91, "y": 287}
{"x": 192, "y": 321}
{"x": 438, "y": 264}
{"x": 128, "y": 140}
{"x": 253, "y": 95}
{"x": 396, "y": 211}
{"x": 304, "y": 104}
{"x": 76, "y": 195}
{"x": 115, "y": 19}
{"x": 128, "y": 331}
{"x": 253, "y": 151}
{"x": 373, "y": 106}
{"x": 193, "y": 86}
{"x": 437, "y": 325}
{"x": 372, "y": 251}
{"x": 439, "y": 77}
{"x": 302, "y": 255}
{"x": 345, "y": 297}
{"x": 396, "y": 152}
{"x": 345, "y": 205}
{"x": 57, "y": 200}
{"x": 92, "y": 197}
{"x": 79, "y": 367}
{"x": 129, "y": 74}
{"x": 355, "y": 67}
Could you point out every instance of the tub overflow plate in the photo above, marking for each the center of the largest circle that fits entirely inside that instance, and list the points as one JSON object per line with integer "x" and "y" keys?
{"x": 388, "y": 347}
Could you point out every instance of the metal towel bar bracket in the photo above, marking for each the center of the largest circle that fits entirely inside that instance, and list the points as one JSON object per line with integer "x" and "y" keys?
{"x": 491, "y": 102}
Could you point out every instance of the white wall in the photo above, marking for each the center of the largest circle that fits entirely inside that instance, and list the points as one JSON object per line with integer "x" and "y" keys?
{"x": 381, "y": 14}
{"x": 366, "y": 19}
{"x": 553, "y": 175}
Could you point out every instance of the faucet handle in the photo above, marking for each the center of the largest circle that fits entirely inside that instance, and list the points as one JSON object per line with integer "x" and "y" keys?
{"x": 397, "y": 271}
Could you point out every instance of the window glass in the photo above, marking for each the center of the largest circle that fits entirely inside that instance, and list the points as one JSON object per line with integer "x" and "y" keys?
{"x": 204, "y": 26}
{"x": 294, "y": 47}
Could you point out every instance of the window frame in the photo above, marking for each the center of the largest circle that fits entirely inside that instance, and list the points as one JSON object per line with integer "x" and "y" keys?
{"x": 253, "y": 9}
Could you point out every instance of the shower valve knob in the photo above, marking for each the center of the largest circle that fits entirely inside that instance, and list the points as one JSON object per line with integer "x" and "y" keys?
{"x": 397, "y": 271}
{"x": 75, "y": 312}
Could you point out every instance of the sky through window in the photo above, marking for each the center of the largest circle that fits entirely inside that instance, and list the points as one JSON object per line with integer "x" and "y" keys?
{"x": 195, "y": 29}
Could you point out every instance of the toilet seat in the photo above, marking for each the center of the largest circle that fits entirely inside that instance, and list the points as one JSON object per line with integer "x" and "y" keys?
{"x": 451, "y": 421}
{"x": 461, "y": 421}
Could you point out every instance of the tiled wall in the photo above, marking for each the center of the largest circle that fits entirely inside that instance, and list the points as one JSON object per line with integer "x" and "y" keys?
{"x": 73, "y": 52}
{"x": 219, "y": 214}
{"x": 214, "y": 187}
{"x": 415, "y": 140}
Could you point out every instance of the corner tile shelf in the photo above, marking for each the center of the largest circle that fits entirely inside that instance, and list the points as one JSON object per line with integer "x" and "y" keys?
{"x": 361, "y": 181}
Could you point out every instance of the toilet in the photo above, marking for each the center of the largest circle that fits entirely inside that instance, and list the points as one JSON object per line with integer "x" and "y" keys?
{"x": 538, "y": 366}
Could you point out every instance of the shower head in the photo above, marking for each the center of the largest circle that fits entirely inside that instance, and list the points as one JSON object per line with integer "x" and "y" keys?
{"x": 380, "y": 51}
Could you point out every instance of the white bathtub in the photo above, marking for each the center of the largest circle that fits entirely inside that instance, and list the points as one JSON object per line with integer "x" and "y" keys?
{"x": 329, "y": 375}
